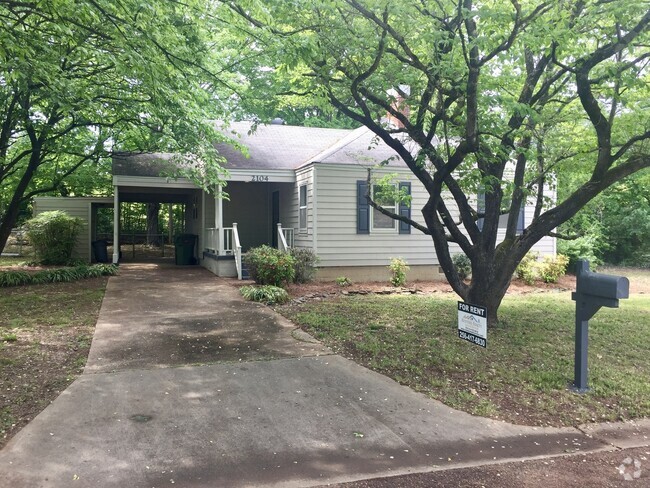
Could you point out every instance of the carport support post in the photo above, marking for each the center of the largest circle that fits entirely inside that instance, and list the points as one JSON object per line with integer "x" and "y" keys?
{"x": 116, "y": 225}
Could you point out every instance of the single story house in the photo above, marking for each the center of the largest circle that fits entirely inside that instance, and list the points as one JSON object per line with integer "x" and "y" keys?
{"x": 298, "y": 186}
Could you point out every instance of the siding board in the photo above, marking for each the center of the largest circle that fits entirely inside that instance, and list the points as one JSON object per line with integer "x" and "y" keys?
{"x": 338, "y": 242}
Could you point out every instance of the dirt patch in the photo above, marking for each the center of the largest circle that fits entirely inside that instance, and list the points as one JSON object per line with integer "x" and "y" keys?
{"x": 320, "y": 290}
{"x": 45, "y": 335}
{"x": 639, "y": 283}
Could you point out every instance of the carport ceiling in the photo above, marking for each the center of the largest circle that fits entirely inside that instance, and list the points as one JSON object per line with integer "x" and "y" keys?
{"x": 146, "y": 195}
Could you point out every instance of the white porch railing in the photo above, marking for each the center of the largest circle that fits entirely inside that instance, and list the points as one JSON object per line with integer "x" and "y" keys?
{"x": 219, "y": 241}
{"x": 237, "y": 250}
{"x": 228, "y": 239}
{"x": 212, "y": 239}
{"x": 225, "y": 241}
{"x": 285, "y": 238}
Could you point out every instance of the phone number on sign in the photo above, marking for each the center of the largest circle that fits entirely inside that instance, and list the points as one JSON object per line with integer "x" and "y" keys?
{"x": 472, "y": 338}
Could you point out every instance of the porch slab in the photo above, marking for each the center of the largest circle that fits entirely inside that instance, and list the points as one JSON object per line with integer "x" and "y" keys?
{"x": 158, "y": 315}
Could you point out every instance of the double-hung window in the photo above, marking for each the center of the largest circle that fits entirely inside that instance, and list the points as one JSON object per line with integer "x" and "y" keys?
{"x": 369, "y": 219}
{"x": 302, "y": 205}
{"x": 385, "y": 197}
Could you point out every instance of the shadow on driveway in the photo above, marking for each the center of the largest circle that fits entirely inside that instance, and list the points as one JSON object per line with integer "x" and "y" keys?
{"x": 156, "y": 316}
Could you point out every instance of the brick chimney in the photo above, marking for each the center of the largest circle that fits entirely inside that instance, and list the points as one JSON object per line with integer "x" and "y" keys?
{"x": 399, "y": 105}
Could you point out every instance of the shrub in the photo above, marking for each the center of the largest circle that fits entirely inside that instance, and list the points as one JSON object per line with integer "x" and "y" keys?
{"x": 548, "y": 270}
{"x": 587, "y": 247}
{"x": 305, "y": 264}
{"x": 343, "y": 281}
{"x": 269, "y": 266}
{"x": 463, "y": 265}
{"x": 551, "y": 268}
{"x": 398, "y": 268}
{"x": 14, "y": 278}
{"x": 60, "y": 275}
{"x": 53, "y": 235}
{"x": 527, "y": 268}
{"x": 267, "y": 294}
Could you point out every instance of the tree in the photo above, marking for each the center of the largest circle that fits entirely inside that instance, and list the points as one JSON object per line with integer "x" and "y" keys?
{"x": 153, "y": 225}
{"x": 614, "y": 227}
{"x": 502, "y": 98}
{"x": 82, "y": 78}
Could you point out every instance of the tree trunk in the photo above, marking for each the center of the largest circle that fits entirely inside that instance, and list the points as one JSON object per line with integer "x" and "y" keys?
{"x": 489, "y": 298}
{"x": 5, "y": 227}
{"x": 153, "y": 232}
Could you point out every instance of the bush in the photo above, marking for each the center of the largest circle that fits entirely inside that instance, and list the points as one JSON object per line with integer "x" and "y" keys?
{"x": 267, "y": 294}
{"x": 551, "y": 268}
{"x": 53, "y": 235}
{"x": 343, "y": 281}
{"x": 548, "y": 270}
{"x": 14, "y": 278}
{"x": 60, "y": 275}
{"x": 269, "y": 266}
{"x": 527, "y": 268}
{"x": 305, "y": 264}
{"x": 463, "y": 265}
{"x": 589, "y": 247}
{"x": 398, "y": 268}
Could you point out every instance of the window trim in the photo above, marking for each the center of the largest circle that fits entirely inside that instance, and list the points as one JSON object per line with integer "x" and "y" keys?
{"x": 302, "y": 207}
{"x": 395, "y": 209}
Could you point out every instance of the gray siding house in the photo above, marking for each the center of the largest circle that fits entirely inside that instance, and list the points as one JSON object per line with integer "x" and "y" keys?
{"x": 297, "y": 186}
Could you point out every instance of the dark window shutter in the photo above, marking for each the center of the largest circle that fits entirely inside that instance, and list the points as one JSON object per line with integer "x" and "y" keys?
{"x": 363, "y": 208}
{"x": 480, "y": 208}
{"x": 405, "y": 209}
{"x": 520, "y": 219}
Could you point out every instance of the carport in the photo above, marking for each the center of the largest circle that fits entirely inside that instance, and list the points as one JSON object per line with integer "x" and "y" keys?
{"x": 138, "y": 179}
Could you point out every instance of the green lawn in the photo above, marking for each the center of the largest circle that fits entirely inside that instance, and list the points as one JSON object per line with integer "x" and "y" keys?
{"x": 12, "y": 261}
{"x": 523, "y": 374}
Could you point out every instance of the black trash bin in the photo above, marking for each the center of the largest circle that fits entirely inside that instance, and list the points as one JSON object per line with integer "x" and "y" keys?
{"x": 184, "y": 248}
{"x": 100, "y": 249}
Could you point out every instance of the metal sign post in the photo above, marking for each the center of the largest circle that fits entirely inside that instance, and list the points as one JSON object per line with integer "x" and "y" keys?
{"x": 593, "y": 291}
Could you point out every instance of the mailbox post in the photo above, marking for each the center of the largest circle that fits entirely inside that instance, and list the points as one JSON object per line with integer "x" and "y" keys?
{"x": 593, "y": 291}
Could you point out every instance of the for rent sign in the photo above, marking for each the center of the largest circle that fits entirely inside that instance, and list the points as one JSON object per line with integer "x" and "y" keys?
{"x": 472, "y": 323}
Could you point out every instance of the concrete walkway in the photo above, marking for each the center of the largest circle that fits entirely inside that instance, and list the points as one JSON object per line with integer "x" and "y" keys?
{"x": 188, "y": 385}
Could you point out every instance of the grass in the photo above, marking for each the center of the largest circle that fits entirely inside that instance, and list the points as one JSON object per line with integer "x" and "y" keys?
{"x": 523, "y": 374}
{"x": 45, "y": 335}
{"x": 12, "y": 261}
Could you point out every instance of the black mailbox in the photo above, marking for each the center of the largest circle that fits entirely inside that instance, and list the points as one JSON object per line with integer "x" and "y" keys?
{"x": 593, "y": 290}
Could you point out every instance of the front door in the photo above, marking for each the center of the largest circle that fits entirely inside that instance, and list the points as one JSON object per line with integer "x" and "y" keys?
{"x": 275, "y": 217}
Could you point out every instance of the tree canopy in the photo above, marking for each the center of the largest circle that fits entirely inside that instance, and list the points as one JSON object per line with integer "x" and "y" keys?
{"x": 494, "y": 98}
{"x": 80, "y": 79}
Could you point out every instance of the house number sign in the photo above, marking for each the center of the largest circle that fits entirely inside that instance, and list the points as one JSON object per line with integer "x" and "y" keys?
{"x": 258, "y": 178}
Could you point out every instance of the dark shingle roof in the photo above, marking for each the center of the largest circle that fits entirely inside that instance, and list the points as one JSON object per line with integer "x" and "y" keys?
{"x": 275, "y": 147}
{"x": 147, "y": 164}
{"x": 360, "y": 147}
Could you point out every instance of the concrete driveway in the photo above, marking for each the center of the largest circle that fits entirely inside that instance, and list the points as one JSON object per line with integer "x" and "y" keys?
{"x": 188, "y": 385}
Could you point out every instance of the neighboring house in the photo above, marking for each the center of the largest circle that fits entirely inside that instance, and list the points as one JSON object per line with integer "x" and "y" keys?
{"x": 298, "y": 186}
